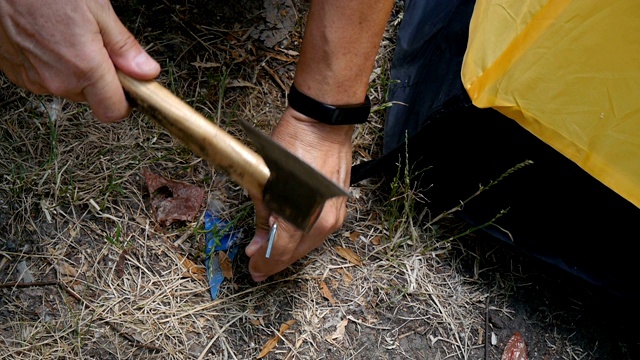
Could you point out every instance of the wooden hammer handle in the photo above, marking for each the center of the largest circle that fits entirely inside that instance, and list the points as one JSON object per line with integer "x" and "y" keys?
{"x": 199, "y": 134}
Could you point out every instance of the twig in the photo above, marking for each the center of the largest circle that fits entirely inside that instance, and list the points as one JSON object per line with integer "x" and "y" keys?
{"x": 183, "y": 237}
{"x": 28, "y": 284}
{"x": 486, "y": 328}
{"x": 275, "y": 77}
{"x": 9, "y": 101}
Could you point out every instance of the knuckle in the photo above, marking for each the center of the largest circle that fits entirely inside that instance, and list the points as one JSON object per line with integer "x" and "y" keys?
{"x": 123, "y": 44}
{"x": 60, "y": 87}
{"x": 332, "y": 221}
{"x": 76, "y": 76}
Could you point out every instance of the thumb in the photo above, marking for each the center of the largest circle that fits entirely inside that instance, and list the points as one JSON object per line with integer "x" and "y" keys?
{"x": 124, "y": 50}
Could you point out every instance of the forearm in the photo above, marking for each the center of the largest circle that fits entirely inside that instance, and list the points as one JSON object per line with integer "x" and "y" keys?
{"x": 339, "y": 47}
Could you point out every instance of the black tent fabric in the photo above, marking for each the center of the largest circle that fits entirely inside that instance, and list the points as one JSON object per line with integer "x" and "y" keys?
{"x": 555, "y": 211}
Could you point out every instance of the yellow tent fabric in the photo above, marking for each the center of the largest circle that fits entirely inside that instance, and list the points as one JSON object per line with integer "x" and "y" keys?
{"x": 569, "y": 72}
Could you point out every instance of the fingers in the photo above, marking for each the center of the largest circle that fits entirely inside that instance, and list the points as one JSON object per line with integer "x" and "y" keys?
{"x": 124, "y": 50}
{"x": 262, "y": 228}
{"x": 75, "y": 60}
{"x": 291, "y": 244}
{"x": 105, "y": 95}
{"x": 121, "y": 50}
{"x": 283, "y": 253}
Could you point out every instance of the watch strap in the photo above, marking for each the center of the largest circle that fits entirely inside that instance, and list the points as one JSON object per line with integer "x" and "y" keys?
{"x": 329, "y": 114}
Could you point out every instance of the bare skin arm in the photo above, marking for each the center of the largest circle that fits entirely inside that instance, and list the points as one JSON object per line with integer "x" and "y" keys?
{"x": 71, "y": 48}
{"x": 338, "y": 52}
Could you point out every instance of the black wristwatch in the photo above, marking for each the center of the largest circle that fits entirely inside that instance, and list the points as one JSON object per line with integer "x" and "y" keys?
{"x": 329, "y": 114}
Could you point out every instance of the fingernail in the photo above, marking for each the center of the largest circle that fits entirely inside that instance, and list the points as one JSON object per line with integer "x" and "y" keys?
{"x": 145, "y": 63}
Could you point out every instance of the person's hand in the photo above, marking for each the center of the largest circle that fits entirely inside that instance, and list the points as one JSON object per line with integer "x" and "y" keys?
{"x": 71, "y": 48}
{"x": 326, "y": 148}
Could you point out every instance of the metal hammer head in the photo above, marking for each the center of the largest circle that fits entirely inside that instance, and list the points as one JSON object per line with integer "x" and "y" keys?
{"x": 295, "y": 191}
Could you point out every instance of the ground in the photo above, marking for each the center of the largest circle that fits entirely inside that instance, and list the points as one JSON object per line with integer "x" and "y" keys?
{"x": 87, "y": 272}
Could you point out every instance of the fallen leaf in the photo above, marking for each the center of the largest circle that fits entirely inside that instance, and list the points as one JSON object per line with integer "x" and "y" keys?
{"x": 516, "y": 348}
{"x": 324, "y": 290}
{"x": 120, "y": 264}
{"x": 347, "y": 277}
{"x": 376, "y": 240}
{"x": 24, "y": 273}
{"x": 340, "y": 328}
{"x": 141, "y": 220}
{"x": 354, "y": 235}
{"x": 481, "y": 337}
{"x": 254, "y": 318}
{"x": 225, "y": 265}
{"x": 66, "y": 269}
{"x": 173, "y": 201}
{"x": 193, "y": 271}
{"x": 349, "y": 255}
{"x": 274, "y": 341}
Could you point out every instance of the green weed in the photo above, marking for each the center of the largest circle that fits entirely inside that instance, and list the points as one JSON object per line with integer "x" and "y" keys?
{"x": 115, "y": 239}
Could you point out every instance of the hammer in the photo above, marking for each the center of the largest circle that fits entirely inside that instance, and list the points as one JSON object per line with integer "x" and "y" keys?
{"x": 290, "y": 187}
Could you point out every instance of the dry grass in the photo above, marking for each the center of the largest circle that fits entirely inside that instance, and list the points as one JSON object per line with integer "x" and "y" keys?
{"x": 103, "y": 280}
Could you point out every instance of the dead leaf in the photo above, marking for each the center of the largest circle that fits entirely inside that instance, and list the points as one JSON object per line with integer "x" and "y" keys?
{"x": 24, "y": 273}
{"x": 376, "y": 240}
{"x": 120, "y": 264}
{"x": 225, "y": 265}
{"x": 3, "y": 262}
{"x": 66, "y": 269}
{"x": 349, "y": 255}
{"x": 340, "y": 328}
{"x": 172, "y": 201}
{"x": 354, "y": 235}
{"x": 254, "y": 318}
{"x": 347, "y": 277}
{"x": 324, "y": 290}
{"x": 193, "y": 271}
{"x": 141, "y": 220}
{"x": 274, "y": 341}
{"x": 516, "y": 348}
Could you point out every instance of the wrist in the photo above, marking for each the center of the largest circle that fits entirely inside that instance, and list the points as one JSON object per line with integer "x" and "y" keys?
{"x": 318, "y": 131}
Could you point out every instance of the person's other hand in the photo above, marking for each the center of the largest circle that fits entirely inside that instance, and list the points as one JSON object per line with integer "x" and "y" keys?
{"x": 326, "y": 148}
{"x": 71, "y": 48}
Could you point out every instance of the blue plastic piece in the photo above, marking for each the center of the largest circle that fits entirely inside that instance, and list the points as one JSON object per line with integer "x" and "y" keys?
{"x": 220, "y": 236}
